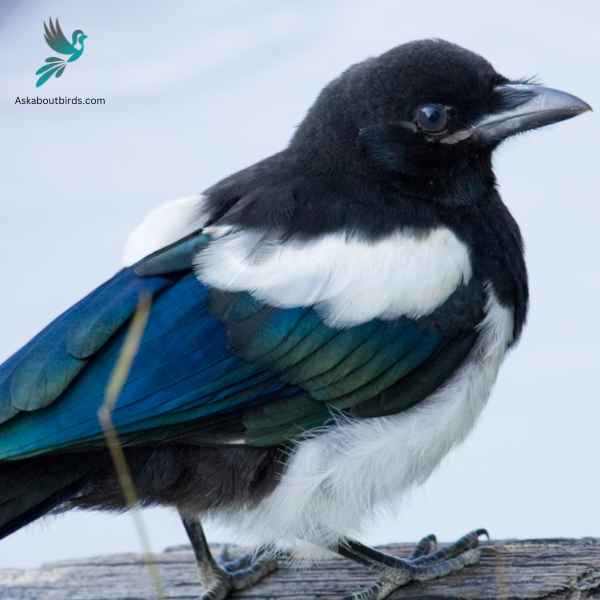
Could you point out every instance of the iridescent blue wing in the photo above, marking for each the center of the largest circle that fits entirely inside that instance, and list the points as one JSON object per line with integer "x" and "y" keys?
{"x": 374, "y": 369}
{"x": 214, "y": 365}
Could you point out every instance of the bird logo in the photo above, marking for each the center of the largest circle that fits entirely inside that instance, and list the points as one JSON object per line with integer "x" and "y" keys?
{"x": 56, "y": 39}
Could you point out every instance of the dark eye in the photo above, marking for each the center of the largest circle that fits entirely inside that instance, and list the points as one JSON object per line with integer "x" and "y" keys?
{"x": 432, "y": 118}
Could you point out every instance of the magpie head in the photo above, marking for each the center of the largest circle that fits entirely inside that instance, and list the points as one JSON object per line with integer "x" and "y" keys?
{"x": 427, "y": 115}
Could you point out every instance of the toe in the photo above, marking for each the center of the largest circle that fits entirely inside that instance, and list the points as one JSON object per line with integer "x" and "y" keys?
{"x": 471, "y": 539}
{"x": 467, "y": 542}
{"x": 387, "y": 584}
{"x": 426, "y": 546}
{"x": 441, "y": 568}
{"x": 259, "y": 569}
{"x": 217, "y": 591}
{"x": 225, "y": 555}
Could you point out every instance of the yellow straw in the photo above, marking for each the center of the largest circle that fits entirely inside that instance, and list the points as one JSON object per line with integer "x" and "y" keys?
{"x": 113, "y": 390}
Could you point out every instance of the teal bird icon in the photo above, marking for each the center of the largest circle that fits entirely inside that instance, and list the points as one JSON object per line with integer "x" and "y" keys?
{"x": 58, "y": 42}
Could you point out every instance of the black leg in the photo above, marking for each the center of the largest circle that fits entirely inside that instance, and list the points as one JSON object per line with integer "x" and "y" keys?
{"x": 424, "y": 564}
{"x": 218, "y": 580}
{"x": 214, "y": 580}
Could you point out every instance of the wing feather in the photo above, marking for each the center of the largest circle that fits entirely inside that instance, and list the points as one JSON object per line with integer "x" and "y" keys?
{"x": 56, "y": 39}
{"x": 212, "y": 363}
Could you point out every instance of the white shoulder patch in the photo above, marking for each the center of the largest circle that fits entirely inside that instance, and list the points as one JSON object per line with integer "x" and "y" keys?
{"x": 163, "y": 226}
{"x": 350, "y": 280}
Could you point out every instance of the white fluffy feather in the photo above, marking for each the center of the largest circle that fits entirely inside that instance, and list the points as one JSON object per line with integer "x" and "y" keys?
{"x": 350, "y": 280}
{"x": 334, "y": 480}
{"x": 163, "y": 226}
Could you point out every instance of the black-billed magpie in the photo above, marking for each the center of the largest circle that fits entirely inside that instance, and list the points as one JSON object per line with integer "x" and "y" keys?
{"x": 326, "y": 325}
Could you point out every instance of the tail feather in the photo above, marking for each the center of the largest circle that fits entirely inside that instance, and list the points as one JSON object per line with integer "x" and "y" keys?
{"x": 21, "y": 518}
{"x": 46, "y": 71}
{"x": 29, "y": 489}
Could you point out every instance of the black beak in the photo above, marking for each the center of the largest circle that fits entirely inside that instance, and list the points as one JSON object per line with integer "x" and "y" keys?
{"x": 540, "y": 106}
{"x": 528, "y": 107}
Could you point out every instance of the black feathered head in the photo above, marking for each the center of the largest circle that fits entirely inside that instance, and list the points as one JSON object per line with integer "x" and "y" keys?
{"x": 423, "y": 111}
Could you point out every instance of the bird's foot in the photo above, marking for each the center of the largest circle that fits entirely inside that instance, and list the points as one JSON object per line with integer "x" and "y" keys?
{"x": 426, "y": 562}
{"x": 219, "y": 578}
{"x": 226, "y": 575}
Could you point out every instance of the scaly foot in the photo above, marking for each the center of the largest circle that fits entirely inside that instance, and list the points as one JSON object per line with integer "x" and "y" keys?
{"x": 426, "y": 562}
{"x": 220, "y": 578}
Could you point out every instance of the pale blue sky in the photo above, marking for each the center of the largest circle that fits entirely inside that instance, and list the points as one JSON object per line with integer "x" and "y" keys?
{"x": 196, "y": 91}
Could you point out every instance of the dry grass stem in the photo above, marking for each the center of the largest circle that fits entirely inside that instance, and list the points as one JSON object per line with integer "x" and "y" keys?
{"x": 115, "y": 386}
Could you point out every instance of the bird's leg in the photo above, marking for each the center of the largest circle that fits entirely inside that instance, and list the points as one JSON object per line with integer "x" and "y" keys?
{"x": 425, "y": 563}
{"x": 220, "y": 579}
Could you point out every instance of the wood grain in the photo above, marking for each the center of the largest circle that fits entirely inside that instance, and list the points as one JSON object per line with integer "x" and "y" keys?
{"x": 512, "y": 569}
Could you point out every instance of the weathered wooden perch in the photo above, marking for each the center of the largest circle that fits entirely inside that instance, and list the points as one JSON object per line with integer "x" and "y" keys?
{"x": 510, "y": 570}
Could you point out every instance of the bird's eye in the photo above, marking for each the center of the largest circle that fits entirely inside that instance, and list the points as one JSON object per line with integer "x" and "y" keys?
{"x": 432, "y": 118}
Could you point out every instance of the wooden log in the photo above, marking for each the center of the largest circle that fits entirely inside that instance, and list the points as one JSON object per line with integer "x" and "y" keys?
{"x": 512, "y": 569}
